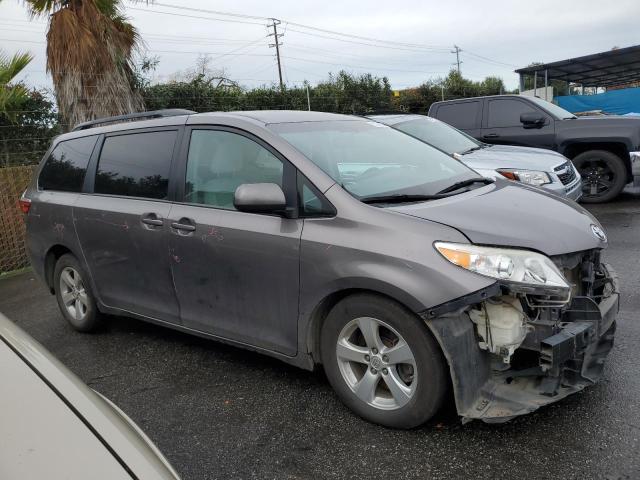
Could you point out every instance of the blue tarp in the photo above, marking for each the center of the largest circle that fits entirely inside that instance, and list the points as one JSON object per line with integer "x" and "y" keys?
{"x": 622, "y": 101}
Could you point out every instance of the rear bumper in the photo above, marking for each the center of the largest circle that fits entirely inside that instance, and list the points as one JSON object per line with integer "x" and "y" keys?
{"x": 569, "y": 360}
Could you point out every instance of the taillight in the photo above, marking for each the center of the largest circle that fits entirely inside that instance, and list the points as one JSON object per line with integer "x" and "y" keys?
{"x": 25, "y": 204}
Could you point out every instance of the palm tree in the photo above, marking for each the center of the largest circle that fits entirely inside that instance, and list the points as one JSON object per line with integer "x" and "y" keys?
{"x": 90, "y": 46}
{"x": 12, "y": 96}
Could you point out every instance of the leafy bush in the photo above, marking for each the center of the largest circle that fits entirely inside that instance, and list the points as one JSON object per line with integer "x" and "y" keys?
{"x": 26, "y": 137}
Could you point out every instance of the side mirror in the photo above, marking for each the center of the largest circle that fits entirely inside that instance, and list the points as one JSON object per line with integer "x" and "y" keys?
{"x": 532, "y": 119}
{"x": 260, "y": 198}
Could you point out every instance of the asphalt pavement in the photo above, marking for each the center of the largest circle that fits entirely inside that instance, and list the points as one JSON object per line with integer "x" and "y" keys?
{"x": 218, "y": 412}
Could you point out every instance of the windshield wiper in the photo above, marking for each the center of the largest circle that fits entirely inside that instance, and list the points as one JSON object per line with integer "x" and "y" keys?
{"x": 465, "y": 183}
{"x": 399, "y": 198}
{"x": 472, "y": 149}
{"x": 407, "y": 197}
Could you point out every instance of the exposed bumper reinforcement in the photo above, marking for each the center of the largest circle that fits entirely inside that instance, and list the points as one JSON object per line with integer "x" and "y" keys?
{"x": 570, "y": 360}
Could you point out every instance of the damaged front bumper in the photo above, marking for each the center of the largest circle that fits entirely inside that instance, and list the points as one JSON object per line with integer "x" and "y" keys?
{"x": 563, "y": 352}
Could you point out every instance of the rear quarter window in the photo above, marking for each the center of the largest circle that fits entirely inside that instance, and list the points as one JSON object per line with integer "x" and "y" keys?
{"x": 460, "y": 115}
{"x": 66, "y": 166}
{"x": 136, "y": 164}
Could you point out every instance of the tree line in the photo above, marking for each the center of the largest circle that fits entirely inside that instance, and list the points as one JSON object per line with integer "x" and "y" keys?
{"x": 27, "y": 131}
{"x": 90, "y": 58}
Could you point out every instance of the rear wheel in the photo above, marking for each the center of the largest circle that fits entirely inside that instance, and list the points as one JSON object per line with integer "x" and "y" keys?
{"x": 74, "y": 295}
{"x": 383, "y": 362}
{"x": 603, "y": 175}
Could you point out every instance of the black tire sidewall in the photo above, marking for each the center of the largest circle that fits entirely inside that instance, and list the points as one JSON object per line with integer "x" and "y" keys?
{"x": 430, "y": 363}
{"x": 614, "y": 162}
{"x": 92, "y": 320}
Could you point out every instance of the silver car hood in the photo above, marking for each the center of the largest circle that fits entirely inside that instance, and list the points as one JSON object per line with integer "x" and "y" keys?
{"x": 507, "y": 156}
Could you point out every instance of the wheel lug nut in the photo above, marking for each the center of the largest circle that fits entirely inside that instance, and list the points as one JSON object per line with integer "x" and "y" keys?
{"x": 367, "y": 358}
{"x": 374, "y": 371}
{"x": 385, "y": 371}
{"x": 374, "y": 351}
{"x": 385, "y": 358}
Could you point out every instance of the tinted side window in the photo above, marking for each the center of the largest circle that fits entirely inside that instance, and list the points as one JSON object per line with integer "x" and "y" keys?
{"x": 136, "y": 165}
{"x": 460, "y": 115}
{"x": 219, "y": 162}
{"x": 65, "y": 168}
{"x": 506, "y": 113}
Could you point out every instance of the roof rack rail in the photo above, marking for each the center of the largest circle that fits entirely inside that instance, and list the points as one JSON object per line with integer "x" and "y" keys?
{"x": 170, "y": 112}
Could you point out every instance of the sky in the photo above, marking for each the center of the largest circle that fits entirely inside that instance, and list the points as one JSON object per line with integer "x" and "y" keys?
{"x": 407, "y": 41}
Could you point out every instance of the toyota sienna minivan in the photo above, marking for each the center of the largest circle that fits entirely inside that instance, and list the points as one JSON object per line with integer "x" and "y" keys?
{"x": 331, "y": 240}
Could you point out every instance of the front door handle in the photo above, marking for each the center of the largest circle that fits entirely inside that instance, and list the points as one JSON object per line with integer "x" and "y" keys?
{"x": 152, "y": 219}
{"x": 491, "y": 135}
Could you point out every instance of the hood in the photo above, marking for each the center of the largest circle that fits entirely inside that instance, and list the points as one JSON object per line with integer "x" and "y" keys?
{"x": 607, "y": 120}
{"x": 515, "y": 215}
{"x": 507, "y": 156}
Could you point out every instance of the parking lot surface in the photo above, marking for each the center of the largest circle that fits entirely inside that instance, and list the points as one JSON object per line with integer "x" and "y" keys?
{"x": 220, "y": 412}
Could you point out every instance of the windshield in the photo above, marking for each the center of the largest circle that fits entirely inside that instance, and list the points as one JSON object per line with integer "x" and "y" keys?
{"x": 438, "y": 134}
{"x": 370, "y": 159}
{"x": 552, "y": 108}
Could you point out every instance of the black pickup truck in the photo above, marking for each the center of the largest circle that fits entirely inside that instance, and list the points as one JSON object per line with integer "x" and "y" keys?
{"x": 604, "y": 149}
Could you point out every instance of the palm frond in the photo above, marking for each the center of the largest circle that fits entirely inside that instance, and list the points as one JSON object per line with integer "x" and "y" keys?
{"x": 11, "y": 67}
{"x": 43, "y": 8}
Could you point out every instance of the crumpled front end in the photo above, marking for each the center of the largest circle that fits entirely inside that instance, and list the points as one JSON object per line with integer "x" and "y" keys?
{"x": 511, "y": 352}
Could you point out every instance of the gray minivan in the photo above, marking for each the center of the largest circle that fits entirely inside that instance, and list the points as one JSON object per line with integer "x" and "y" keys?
{"x": 329, "y": 239}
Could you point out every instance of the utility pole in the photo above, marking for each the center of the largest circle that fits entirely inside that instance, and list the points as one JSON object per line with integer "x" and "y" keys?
{"x": 277, "y": 44}
{"x": 457, "y": 51}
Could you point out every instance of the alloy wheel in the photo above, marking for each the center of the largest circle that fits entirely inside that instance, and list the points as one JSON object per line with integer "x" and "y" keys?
{"x": 376, "y": 363}
{"x": 597, "y": 178}
{"x": 73, "y": 294}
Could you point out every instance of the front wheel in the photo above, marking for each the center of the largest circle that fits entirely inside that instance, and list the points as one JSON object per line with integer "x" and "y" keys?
{"x": 383, "y": 362}
{"x": 603, "y": 175}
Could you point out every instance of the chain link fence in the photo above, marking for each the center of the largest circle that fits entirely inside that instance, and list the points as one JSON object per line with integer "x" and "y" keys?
{"x": 13, "y": 181}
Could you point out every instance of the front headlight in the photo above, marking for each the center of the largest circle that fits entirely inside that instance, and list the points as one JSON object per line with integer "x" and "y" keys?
{"x": 532, "y": 177}
{"x": 528, "y": 271}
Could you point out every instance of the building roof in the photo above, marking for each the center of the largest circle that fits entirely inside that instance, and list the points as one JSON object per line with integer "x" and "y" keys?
{"x": 614, "y": 67}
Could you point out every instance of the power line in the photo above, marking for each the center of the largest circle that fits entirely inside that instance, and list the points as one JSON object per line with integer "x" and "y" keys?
{"x": 363, "y": 43}
{"x": 357, "y": 66}
{"x": 193, "y": 16}
{"x": 303, "y": 29}
{"x": 490, "y": 60}
{"x": 202, "y": 10}
{"x": 369, "y": 39}
{"x": 300, "y": 25}
{"x": 331, "y": 54}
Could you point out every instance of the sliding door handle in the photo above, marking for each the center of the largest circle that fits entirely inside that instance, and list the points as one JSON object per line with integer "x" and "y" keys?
{"x": 183, "y": 226}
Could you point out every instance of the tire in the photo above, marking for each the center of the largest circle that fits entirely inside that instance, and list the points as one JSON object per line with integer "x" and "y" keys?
{"x": 74, "y": 295}
{"x": 419, "y": 385}
{"x": 604, "y": 175}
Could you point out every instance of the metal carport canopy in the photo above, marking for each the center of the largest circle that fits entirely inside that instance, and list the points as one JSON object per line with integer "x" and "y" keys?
{"x": 615, "y": 67}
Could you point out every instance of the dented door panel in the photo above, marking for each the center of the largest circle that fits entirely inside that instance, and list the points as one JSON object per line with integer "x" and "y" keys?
{"x": 128, "y": 259}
